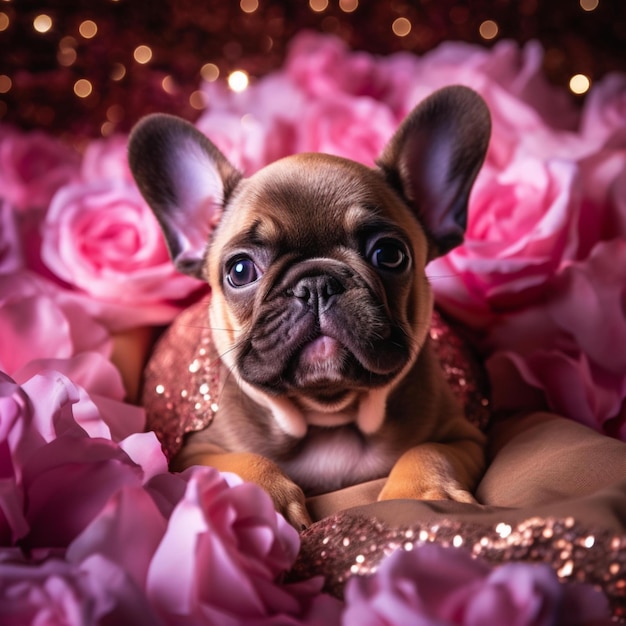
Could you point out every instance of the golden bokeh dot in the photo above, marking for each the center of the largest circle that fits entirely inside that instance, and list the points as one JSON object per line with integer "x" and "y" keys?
{"x": 42, "y": 23}
{"x": 88, "y": 29}
{"x": 318, "y": 5}
{"x": 4, "y": 21}
{"x": 579, "y": 84}
{"x": 107, "y": 129}
{"x": 348, "y": 6}
{"x": 589, "y": 5}
{"x": 168, "y": 84}
{"x": 197, "y": 100}
{"x": 238, "y": 80}
{"x": 488, "y": 29}
{"x": 83, "y": 88}
{"x": 118, "y": 71}
{"x": 142, "y": 54}
{"x": 249, "y": 6}
{"x": 5, "y": 83}
{"x": 401, "y": 27}
{"x": 210, "y": 72}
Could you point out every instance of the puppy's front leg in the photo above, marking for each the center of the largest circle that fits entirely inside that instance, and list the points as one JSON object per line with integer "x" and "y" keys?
{"x": 436, "y": 471}
{"x": 287, "y": 497}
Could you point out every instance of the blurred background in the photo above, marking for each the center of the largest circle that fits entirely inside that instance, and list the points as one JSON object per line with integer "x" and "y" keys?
{"x": 93, "y": 67}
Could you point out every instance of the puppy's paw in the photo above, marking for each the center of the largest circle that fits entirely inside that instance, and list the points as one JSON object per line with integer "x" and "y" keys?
{"x": 289, "y": 501}
{"x": 439, "y": 490}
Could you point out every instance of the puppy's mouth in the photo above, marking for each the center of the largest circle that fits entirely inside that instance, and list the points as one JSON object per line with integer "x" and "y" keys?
{"x": 322, "y": 372}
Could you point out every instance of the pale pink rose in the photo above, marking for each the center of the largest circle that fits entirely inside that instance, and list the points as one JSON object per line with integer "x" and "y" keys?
{"x": 38, "y": 322}
{"x": 106, "y": 159}
{"x": 507, "y": 78}
{"x": 68, "y": 482}
{"x": 567, "y": 347}
{"x": 603, "y": 182}
{"x": 354, "y": 128}
{"x": 604, "y": 111}
{"x": 62, "y": 462}
{"x": 248, "y": 142}
{"x": 101, "y": 383}
{"x": 103, "y": 239}
{"x": 274, "y": 97}
{"x": 13, "y": 406}
{"x": 522, "y": 226}
{"x": 10, "y": 246}
{"x": 32, "y": 167}
{"x": 143, "y": 448}
{"x": 436, "y": 586}
{"x": 222, "y": 555}
{"x": 57, "y": 593}
{"x": 516, "y": 69}
{"x": 127, "y": 531}
{"x": 256, "y": 126}
{"x": 323, "y": 66}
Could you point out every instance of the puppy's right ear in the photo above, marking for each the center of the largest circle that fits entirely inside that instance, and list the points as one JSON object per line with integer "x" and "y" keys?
{"x": 185, "y": 179}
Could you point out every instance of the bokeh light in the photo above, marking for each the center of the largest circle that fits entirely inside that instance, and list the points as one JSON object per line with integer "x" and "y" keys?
{"x": 488, "y": 29}
{"x": 238, "y": 80}
{"x": 579, "y": 84}
{"x": 401, "y": 27}
{"x": 42, "y": 23}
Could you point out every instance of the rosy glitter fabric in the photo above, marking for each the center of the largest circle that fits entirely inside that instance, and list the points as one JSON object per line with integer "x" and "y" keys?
{"x": 345, "y": 545}
{"x": 182, "y": 379}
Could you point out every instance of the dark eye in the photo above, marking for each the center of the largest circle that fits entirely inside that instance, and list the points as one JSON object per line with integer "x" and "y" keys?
{"x": 242, "y": 272}
{"x": 389, "y": 255}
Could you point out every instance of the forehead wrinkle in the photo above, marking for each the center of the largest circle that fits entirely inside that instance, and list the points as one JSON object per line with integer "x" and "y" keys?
{"x": 260, "y": 233}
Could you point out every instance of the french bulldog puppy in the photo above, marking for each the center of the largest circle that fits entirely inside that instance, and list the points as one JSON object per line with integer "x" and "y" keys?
{"x": 320, "y": 306}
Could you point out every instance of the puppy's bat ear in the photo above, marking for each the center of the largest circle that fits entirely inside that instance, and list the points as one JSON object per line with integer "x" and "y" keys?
{"x": 185, "y": 179}
{"x": 434, "y": 158}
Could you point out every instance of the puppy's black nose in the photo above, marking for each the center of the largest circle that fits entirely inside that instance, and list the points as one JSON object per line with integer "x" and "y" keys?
{"x": 318, "y": 291}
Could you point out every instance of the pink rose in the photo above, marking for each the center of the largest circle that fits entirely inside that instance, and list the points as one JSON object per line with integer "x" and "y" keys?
{"x": 103, "y": 239}
{"x": 127, "y": 531}
{"x": 106, "y": 159}
{"x": 38, "y": 322}
{"x": 62, "y": 466}
{"x": 354, "y": 128}
{"x": 99, "y": 383}
{"x": 566, "y": 348}
{"x": 323, "y": 66}
{"x": 10, "y": 248}
{"x": 13, "y": 406}
{"x": 222, "y": 555}
{"x": 603, "y": 181}
{"x": 55, "y": 592}
{"x": 522, "y": 226}
{"x": 254, "y": 127}
{"x": 516, "y": 70}
{"x": 32, "y": 167}
{"x": 436, "y": 586}
{"x": 604, "y": 111}
{"x": 248, "y": 142}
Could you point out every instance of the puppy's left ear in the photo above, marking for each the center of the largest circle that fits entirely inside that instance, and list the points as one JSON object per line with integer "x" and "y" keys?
{"x": 434, "y": 158}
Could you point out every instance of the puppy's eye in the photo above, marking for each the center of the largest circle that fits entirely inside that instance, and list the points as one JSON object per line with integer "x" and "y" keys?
{"x": 242, "y": 272}
{"x": 389, "y": 255}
